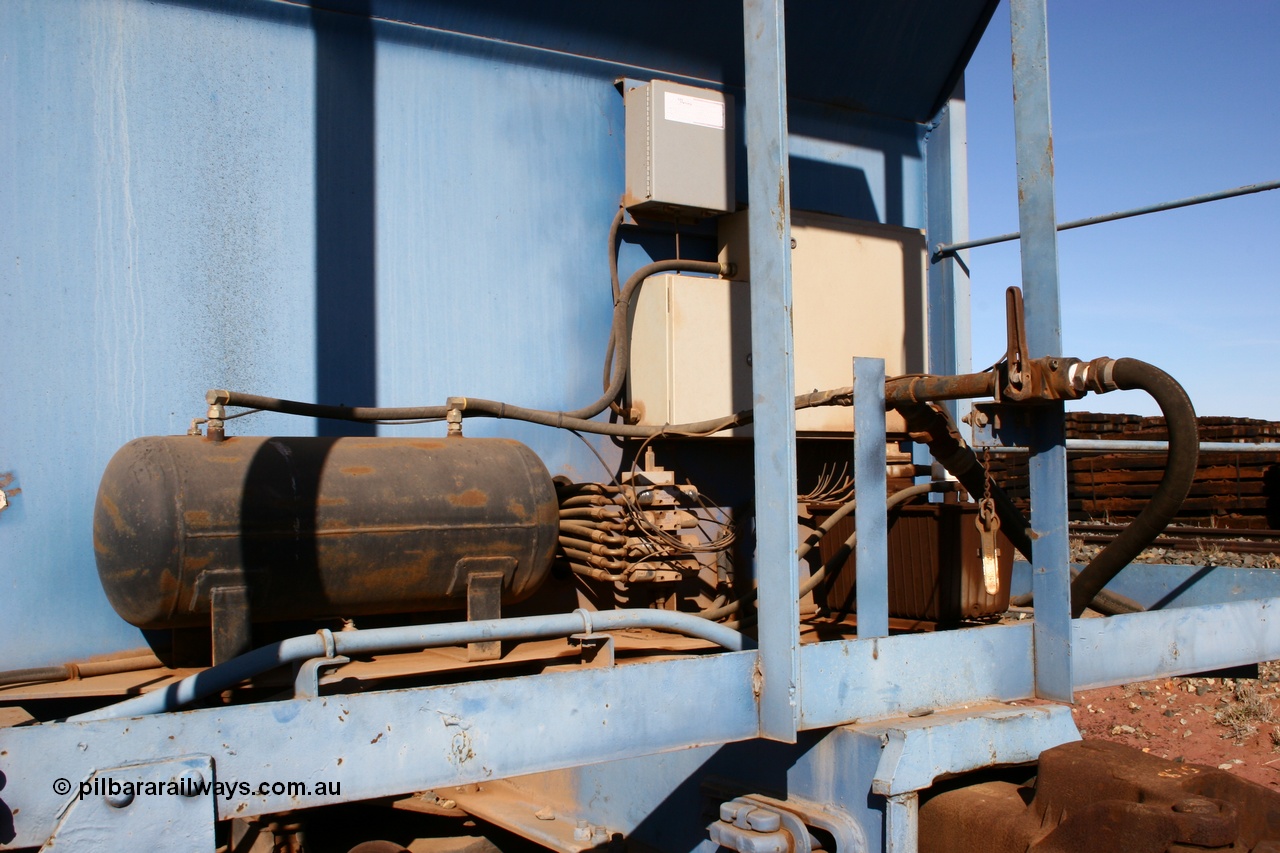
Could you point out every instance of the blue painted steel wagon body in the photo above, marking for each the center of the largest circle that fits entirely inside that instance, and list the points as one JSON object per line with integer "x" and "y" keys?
{"x": 393, "y": 202}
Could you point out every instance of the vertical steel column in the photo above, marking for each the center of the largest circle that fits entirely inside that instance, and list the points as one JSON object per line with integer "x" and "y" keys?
{"x": 1048, "y": 463}
{"x": 871, "y": 516}
{"x": 947, "y": 221}
{"x": 902, "y": 823}
{"x": 773, "y": 394}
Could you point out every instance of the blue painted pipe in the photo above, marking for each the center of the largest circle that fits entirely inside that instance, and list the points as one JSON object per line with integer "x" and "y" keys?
{"x": 409, "y": 637}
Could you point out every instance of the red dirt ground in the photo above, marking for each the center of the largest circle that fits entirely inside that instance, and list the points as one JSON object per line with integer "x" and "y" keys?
{"x": 1222, "y": 722}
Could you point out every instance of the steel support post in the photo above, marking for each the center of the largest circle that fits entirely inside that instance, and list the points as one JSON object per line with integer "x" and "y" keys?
{"x": 1033, "y": 127}
{"x": 902, "y": 823}
{"x": 947, "y": 197}
{"x": 870, "y": 514}
{"x": 773, "y": 395}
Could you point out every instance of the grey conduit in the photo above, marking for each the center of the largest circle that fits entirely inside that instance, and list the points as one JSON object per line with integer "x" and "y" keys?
{"x": 407, "y": 638}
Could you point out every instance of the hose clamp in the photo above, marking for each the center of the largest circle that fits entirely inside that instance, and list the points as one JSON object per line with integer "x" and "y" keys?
{"x": 586, "y": 620}
{"x": 330, "y": 647}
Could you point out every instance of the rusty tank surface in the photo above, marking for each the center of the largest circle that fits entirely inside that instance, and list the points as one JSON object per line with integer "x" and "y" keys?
{"x": 310, "y": 527}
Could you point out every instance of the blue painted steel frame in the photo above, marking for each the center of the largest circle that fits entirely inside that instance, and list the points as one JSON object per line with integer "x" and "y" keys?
{"x": 1048, "y": 462}
{"x": 772, "y": 375}
{"x": 871, "y": 517}
{"x": 398, "y": 741}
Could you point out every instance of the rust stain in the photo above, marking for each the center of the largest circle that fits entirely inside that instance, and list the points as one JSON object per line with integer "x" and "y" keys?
{"x": 377, "y": 737}
{"x": 196, "y": 564}
{"x": 331, "y": 501}
{"x": 471, "y": 497}
{"x": 357, "y": 470}
{"x": 196, "y": 518}
{"x": 427, "y": 445}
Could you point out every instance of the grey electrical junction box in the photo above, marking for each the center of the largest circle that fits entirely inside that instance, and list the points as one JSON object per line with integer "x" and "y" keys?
{"x": 680, "y": 144}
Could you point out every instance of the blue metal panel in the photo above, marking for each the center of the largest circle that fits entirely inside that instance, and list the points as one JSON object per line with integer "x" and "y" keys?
{"x": 395, "y": 742}
{"x": 919, "y": 750}
{"x": 1160, "y": 587}
{"x": 1047, "y": 466}
{"x": 772, "y": 374}
{"x": 157, "y": 236}
{"x": 870, "y": 515}
{"x": 1144, "y": 646}
{"x": 181, "y": 211}
{"x": 855, "y": 165}
{"x": 867, "y": 679}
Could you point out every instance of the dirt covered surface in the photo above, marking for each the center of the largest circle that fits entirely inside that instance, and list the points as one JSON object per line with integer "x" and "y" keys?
{"x": 1229, "y": 723}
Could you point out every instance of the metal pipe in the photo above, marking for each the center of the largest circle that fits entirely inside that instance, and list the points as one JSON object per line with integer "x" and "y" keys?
{"x": 943, "y": 249}
{"x": 928, "y": 388}
{"x": 407, "y": 638}
{"x": 87, "y": 669}
{"x": 1105, "y": 445}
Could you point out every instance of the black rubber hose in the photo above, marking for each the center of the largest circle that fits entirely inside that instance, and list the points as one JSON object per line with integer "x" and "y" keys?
{"x": 494, "y": 409}
{"x": 619, "y": 349}
{"x": 1184, "y": 452}
{"x": 619, "y": 353}
{"x": 943, "y": 439}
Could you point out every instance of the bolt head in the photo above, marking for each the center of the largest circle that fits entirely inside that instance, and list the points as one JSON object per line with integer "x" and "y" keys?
{"x": 1196, "y": 805}
{"x": 191, "y": 783}
{"x": 119, "y": 799}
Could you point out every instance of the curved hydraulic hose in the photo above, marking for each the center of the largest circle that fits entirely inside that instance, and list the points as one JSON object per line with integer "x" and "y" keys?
{"x": 619, "y": 351}
{"x": 1184, "y": 452}
{"x": 494, "y": 409}
{"x": 408, "y": 638}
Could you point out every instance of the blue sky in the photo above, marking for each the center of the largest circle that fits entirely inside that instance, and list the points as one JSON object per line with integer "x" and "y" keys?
{"x": 1151, "y": 102}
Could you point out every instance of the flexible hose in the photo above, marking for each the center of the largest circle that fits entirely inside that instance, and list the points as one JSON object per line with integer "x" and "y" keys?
{"x": 619, "y": 351}
{"x": 493, "y": 409}
{"x": 1184, "y": 452}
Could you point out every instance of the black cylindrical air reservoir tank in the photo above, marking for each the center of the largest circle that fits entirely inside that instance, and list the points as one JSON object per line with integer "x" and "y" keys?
{"x": 318, "y": 527}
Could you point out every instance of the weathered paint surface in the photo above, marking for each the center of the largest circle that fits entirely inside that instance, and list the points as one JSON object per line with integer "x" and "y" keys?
{"x": 317, "y": 205}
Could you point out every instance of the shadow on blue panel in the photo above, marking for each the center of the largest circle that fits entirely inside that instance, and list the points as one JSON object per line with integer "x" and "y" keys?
{"x": 346, "y": 360}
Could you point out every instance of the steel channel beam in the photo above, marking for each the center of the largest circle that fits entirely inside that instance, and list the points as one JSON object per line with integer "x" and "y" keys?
{"x": 1145, "y": 646}
{"x": 773, "y": 394}
{"x": 393, "y": 742}
{"x": 893, "y": 676}
{"x": 1047, "y": 465}
{"x": 871, "y": 517}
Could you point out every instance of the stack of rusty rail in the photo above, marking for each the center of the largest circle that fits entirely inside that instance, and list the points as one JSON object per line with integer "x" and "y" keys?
{"x": 1237, "y": 490}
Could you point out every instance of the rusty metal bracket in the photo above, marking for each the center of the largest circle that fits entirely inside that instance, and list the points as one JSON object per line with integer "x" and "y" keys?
{"x": 596, "y": 649}
{"x": 231, "y": 632}
{"x": 484, "y": 601}
{"x": 306, "y": 683}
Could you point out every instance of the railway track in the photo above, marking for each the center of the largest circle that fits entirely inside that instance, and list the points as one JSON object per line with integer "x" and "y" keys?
{"x": 1188, "y": 538}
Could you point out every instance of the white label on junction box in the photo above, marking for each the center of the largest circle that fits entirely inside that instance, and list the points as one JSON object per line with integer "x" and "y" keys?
{"x": 687, "y": 109}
